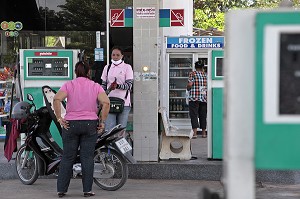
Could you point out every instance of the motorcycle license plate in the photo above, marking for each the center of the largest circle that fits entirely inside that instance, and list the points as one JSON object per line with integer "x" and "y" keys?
{"x": 123, "y": 145}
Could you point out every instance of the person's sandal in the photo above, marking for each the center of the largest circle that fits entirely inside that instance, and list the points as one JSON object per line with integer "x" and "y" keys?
{"x": 88, "y": 194}
{"x": 61, "y": 194}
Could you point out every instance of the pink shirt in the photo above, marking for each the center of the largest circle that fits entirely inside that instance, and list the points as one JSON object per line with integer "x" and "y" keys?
{"x": 82, "y": 98}
{"x": 122, "y": 72}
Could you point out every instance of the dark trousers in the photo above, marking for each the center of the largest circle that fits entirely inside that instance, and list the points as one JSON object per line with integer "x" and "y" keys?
{"x": 83, "y": 134}
{"x": 198, "y": 110}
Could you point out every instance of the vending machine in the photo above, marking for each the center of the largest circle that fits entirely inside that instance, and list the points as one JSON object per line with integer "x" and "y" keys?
{"x": 180, "y": 65}
{"x": 40, "y": 67}
{"x": 180, "y": 55}
{"x": 178, "y": 58}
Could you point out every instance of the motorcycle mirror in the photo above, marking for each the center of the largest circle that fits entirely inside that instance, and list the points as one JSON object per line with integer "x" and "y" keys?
{"x": 29, "y": 97}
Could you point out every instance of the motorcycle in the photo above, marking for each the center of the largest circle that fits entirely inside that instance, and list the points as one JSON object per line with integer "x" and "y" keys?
{"x": 40, "y": 155}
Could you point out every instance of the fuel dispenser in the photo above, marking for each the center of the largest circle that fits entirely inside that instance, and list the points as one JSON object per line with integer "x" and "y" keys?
{"x": 52, "y": 67}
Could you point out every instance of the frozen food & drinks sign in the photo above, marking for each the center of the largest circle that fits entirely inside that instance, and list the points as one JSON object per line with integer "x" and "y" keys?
{"x": 195, "y": 42}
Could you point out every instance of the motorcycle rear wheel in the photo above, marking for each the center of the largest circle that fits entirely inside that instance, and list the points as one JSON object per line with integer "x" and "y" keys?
{"x": 114, "y": 171}
{"x": 26, "y": 166}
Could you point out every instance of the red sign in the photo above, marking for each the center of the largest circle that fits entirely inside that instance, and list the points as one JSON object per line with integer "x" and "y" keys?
{"x": 177, "y": 17}
{"x": 45, "y": 53}
{"x": 117, "y": 18}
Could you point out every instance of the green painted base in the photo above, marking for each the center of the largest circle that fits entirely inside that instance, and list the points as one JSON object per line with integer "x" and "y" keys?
{"x": 217, "y": 125}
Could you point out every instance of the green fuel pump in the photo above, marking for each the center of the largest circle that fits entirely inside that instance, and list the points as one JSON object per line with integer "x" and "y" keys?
{"x": 51, "y": 67}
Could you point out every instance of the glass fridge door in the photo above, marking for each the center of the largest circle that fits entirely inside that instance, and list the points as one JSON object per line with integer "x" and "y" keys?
{"x": 180, "y": 65}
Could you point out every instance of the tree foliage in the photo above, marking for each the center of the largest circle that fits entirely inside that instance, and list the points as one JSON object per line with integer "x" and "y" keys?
{"x": 83, "y": 15}
{"x": 204, "y": 21}
{"x": 210, "y": 13}
{"x": 52, "y": 20}
{"x": 117, "y": 4}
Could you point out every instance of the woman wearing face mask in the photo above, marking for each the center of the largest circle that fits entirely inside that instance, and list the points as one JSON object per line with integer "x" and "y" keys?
{"x": 119, "y": 80}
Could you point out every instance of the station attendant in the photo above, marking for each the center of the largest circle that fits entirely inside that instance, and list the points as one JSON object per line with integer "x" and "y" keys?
{"x": 117, "y": 77}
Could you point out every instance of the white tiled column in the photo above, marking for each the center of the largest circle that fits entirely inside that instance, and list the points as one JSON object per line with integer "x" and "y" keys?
{"x": 145, "y": 53}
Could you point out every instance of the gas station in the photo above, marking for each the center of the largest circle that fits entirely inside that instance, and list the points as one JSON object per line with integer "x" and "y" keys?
{"x": 253, "y": 105}
{"x": 165, "y": 21}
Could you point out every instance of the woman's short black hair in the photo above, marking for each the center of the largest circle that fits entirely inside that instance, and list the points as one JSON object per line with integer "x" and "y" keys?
{"x": 199, "y": 64}
{"x": 118, "y": 48}
{"x": 82, "y": 69}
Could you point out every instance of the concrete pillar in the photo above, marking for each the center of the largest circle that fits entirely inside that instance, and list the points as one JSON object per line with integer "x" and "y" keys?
{"x": 239, "y": 107}
{"x": 145, "y": 113}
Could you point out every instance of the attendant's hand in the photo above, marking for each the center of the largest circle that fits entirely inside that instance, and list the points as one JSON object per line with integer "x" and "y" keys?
{"x": 64, "y": 123}
{"x": 101, "y": 128}
{"x": 113, "y": 86}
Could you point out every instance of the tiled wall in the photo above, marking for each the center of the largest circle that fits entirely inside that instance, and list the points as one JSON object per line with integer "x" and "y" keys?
{"x": 145, "y": 113}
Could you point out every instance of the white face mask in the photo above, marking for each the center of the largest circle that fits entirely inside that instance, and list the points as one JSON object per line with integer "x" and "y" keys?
{"x": 116, "y": 62}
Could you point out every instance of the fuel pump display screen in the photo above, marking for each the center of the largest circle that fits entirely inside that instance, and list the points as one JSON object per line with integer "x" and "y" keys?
{"x": 48, "y": 67}
{"x": 289, "y": 74}
{"x": 219, "y": 66}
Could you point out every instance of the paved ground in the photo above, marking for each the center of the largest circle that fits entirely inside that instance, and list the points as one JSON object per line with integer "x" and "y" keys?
{"x": 137, "y": 189}
{"x": 148, "y": 189}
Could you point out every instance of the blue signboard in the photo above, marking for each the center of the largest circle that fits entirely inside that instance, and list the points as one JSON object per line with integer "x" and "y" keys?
{"x": 99, "y": 54}
{"x": 195, "y": 42}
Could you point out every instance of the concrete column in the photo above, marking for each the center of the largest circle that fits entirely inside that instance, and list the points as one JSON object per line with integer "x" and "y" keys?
{"x": 145, "y": 113}
{"x": 239, "y": 107}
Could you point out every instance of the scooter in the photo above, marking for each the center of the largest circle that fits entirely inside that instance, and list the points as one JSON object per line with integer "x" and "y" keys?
{"x": 40, "y": 155}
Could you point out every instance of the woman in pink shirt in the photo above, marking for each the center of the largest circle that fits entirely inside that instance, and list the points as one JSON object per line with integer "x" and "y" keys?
{"x": 80, "y": 126}
{"x": 119, "y": 80}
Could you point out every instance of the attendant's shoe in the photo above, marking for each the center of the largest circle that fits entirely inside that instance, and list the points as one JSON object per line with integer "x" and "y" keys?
{"x": 61, "y": 194}
{"x": 88, "y": 194}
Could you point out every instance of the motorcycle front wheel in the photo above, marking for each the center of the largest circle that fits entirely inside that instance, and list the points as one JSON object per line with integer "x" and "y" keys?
{"x": 111, "y": 170}
{"x": 26, "y": 166}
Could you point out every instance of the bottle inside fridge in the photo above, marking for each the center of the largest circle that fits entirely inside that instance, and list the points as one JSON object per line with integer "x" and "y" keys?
{"x": 180, "y": 65}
